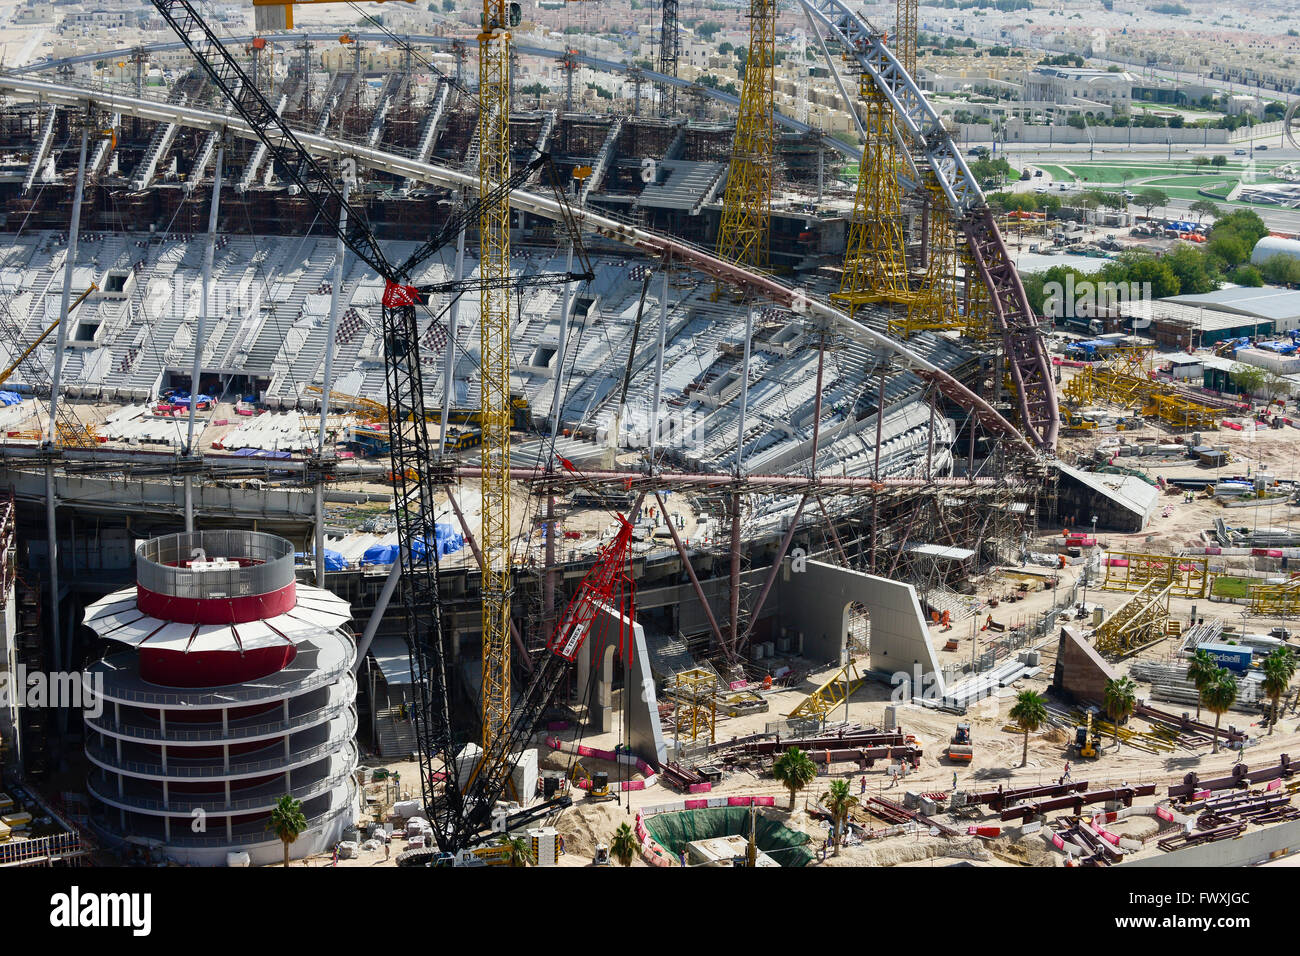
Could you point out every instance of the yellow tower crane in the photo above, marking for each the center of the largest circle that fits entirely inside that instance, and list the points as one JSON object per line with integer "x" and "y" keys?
{"x": 494, "y": 302}
{"x": 499, "y": 16}
{"x": 744, "y": 234}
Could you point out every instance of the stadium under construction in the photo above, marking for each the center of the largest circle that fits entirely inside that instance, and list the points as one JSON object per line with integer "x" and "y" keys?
{"x": 652, "y": 353}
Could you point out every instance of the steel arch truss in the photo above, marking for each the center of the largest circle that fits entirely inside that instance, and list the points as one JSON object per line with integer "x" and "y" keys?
{"x": 1027, "y": 359}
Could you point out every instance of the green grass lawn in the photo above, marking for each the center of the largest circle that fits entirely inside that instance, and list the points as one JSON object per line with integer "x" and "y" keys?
{"x": 1229, "y": 587}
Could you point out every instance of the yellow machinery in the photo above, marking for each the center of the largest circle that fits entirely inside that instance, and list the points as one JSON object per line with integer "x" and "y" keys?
{"x": 355, "y": 403}
{"x": 831, "y": 694}
{"x": 1073, "y": 422}
{"x": 1131, "y": 571}
{"x": 744, "y": 233}
{"x": 976, "y": 295}
{"x": 1087, "y": 742}
{"x": 1139, "y": 622}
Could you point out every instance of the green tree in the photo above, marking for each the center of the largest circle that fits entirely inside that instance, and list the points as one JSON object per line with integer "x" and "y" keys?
{"x": 1279, "y": 668}
{"x": 1246, "y": 275}
{"x": 1190, "y": 265}
{"x": 1151, "y": 198}
{"x": 1249, "y": 379}
{"x": 1281, "y": 268}
{"x": 794, "y": 770}
{"x": 519, "y": 850}
{"x": 1219, "y": 160}
{"x": 1163, "y": 281}
{"x": 1229, "y": 247}
{"x": 1120, "y": 699}
{"x": 623, "y": 847}
{"x": 1201, "y": 669}
{"x": 1029, "y": 713}
{"x": 1218, "y": 696}
{"x": 707, "y": 29}
{"x": 1202, "y": 208}
{"x": 287, "y": 821}
{"x": 839, "y": 800}
{"x": 1242, "y": 222}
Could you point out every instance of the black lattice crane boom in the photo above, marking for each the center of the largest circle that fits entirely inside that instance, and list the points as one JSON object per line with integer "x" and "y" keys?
{"x": 458, "y": 812}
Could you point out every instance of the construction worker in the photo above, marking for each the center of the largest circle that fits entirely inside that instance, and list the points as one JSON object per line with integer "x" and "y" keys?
{"x": 954, "y": 780}
{"x": 862, "y": 785}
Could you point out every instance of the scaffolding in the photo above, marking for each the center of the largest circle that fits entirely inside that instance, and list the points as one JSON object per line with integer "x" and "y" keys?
{"x": 1279, "y": 599}
{"x": 1131, "y": 571}
{"x": 697, "y": 703}
{"x": 1123, "y": 379}
{"x": 934, "y": 307}
{"x": 1139, "y": 622}
{"x": 744, "y": 233}
{"x": 875, "y": 257}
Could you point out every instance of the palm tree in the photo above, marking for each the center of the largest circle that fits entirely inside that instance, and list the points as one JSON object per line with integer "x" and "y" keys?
{"x": 839, "y": 800}
{"x": 519, "y": 850}
{"x": 287, "y": 821}
{"x": 1120, "y": 699}
{"x": 1279, "y": 668}
{"x": 795, "y": 770}
{"x": 624, "y": 845}
{"x": 1218, "y": 696}
{"x": 1201, "y": 669}
{"x": 1029, "y": 713}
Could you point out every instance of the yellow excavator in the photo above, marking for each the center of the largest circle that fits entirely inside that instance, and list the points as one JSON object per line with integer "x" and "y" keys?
{"x": 1087, "y": 742}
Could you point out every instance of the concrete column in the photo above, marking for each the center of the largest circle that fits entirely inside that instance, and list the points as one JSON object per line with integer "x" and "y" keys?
{"x": 659, "y": 366}
{"x": 52, "y": 543}
{"x": 61, "y": 346}
{"x": 377, "y": 615}
{"x": 340, "y": 251}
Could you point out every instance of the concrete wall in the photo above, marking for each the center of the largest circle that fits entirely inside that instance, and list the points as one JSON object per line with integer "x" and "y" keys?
{"x": 1254, "y": 847}
{"x": 645, "y": 734}
{"x": 814, "y": 602}
{"x": 1080, "y": 670}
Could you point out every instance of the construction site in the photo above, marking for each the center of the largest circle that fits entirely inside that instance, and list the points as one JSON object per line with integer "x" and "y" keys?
{"x": 464, "y": 478}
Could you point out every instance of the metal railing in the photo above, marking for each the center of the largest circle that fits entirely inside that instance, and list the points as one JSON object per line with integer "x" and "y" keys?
{"x": 262, "y": 802}
{"x": 154, "y": 769}
{"x": 218, "y": 735}
{"x": 248, "y": 837}
{"x": 272, "y": 570}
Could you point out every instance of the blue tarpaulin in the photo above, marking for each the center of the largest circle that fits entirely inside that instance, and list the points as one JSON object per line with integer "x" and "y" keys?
{"x": 333, "y": 560}
{"x": 449, "y": 542}
{"x": 10, "y": 398}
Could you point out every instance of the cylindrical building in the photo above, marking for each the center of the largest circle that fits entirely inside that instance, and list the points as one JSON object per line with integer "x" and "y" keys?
{"x": 237, "y": 689}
